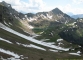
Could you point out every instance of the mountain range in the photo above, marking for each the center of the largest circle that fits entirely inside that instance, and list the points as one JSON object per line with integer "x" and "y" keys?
{"x": 77, "y": 16}
{"x": 42, "y": 36}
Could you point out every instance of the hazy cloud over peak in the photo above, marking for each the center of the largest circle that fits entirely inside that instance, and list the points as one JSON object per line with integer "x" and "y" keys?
{"x": 29, "y": 6}
{"x": 26, "y": 6}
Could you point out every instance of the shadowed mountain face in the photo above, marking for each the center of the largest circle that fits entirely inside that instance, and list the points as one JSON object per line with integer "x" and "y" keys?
{"x": 73, "y": 33}
{"x": 40, "y": 36}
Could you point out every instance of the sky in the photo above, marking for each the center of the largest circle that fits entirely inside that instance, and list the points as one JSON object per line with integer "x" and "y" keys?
{"x": 34, "y": 6}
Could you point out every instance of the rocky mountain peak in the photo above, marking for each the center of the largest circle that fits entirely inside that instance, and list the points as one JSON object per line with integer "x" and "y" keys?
{"x": 5, "y": 4}
{"x": 57, "y": 11}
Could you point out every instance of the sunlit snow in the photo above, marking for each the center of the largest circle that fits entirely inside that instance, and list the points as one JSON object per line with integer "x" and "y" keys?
{"x": 9, "y": 53}
{"x": 58, "y": 40}
{"x": 75, "y": 54}
{"x": 53, "y": 50}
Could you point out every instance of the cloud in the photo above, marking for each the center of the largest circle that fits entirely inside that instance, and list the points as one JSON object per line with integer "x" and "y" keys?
{"x": 39, "y": 6}
{"x": 78, "y": 1}
{"x": 29, "y": 6}
{"x": 69, "y": 8}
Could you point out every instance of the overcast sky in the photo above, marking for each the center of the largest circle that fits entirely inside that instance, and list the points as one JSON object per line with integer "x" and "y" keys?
{"x": 26, "y": 6}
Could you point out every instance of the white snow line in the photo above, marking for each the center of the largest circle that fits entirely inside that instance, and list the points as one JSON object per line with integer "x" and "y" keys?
{"x": 58, "y": 40}
{"x": 5, "y": 40}
{"x": 37, "y": 47}
{"x": 75, "y": 54}
{"x": 9, "y": 53}
{"x": 32, "y": 46}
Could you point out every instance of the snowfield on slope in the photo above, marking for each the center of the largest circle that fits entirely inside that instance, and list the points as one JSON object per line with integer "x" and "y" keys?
{"x": 32, "y": 39}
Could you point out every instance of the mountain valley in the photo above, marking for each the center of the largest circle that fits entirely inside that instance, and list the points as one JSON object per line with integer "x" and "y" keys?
{"x": 48, "y": 35}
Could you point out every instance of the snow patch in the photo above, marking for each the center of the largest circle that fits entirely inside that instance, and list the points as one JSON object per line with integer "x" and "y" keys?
{"x": 31, "y": 27}
{"x": 43, "y": 16}
{"x": 53, "y": 50}
{"x": 79, "y": 46}
{"x": 49, "y": 16}
{"x": 73, "y": 49}
{"x": 41, "y": 32}
{"x": 37, "y": 47}
{"x": 5, "y": 40}
{"x": 45, "y": 40}
{"x": 51, "y": 33}
{"x": 78, "y": 52}
{"x": 9, "y": 53}
{"x": 75, "y": 54}
{"x": 13, "y": 58}
{"x": 31, "y": 19}
{"x": 58, "y": 40}
{"x": 6, "y": 23}
{"x": 11, "y": 13}
{"x": 60, "y": 43}
{"x": 10, "y": 23}
{"x": 49, "y": 43}
{"x": 66, "y": 22}
{"x": 23, "y": 18}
